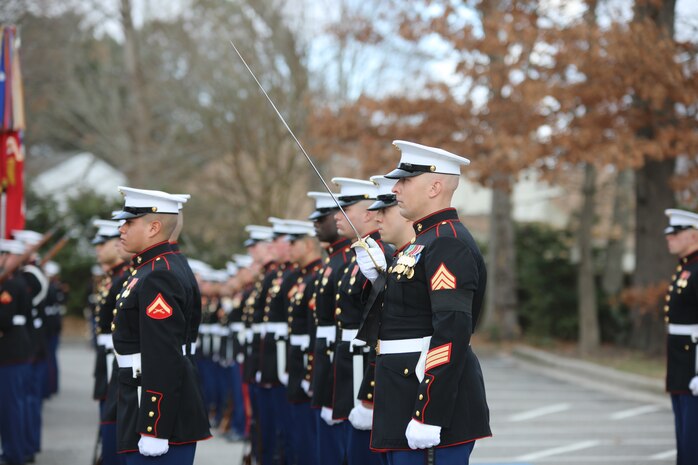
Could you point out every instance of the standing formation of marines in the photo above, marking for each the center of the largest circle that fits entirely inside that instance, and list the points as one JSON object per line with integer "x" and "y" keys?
{"x": 32, "y": 302}
{"x": 343, "y": 339}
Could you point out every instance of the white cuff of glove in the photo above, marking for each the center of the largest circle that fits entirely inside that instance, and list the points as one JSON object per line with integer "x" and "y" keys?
{"x": 305, "y": 384}
{"x": 361, "y": 417}
{"x": 258, "y": 377}
{"x": 693, "y": 385}
{"x": 152, "y": 447}
{"x": 422, "y": 436}
{"x": 326, "y": 414}
{"x": 366, "y": 261}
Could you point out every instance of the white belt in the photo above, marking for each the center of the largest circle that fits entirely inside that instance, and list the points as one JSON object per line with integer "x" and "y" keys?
{"x": 257, "y": 328}
{"x": 400, "y": 346}
{"x": 278, "y": 329}
{"x": 683, "y": 330}
{"x": 326, "y": 332}
{"x": 219, "y": 330}
{"x": 404, "y": 346}
{"x": 237, "y": 326}
{"x": 300, "y": 340}
{"x": 205, "y": 329}
{"x": 249, "y": 335}
{"x": 129, "y": 361}
{"x": 105, "y": 340}
{"x": 19, "y": 320}
{"x": 349, "y": 334}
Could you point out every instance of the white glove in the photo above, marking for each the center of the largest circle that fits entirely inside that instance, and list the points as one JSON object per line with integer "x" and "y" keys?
{"x": 361, "y": 417}
{"x": 693, "y": 385}
{"x": 258, "y": 377}
{"x": 283, "y": 379}
{"x": 305, "y": 384}
{"x": 152, "y": 447}
{"x": 240, "y": 357}
{"x": 422, "y": 436}
{"x": 363, "y": 259}
{"x": 326, "y": 414}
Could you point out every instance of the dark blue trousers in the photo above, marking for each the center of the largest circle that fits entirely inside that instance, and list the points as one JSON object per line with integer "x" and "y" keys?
{"x": 686, "y": 421}
{"x": 221, "y": 391}
{"x": 33, "y": 403}
{"x": 273, "y": 414}
{"x": 177, "y": 455}
{"x": 331, "y": 441}
{"x": 51, "y": 386}
{"x": 238, "y": 420}
{"x": 454, "y": 455}
{"x": 359, "y": 448}
{"x": 303, "y": 434}
{"x": 12, "y": 415}
{"x": 109, "y": 452}
{"x": 208, "y": 387}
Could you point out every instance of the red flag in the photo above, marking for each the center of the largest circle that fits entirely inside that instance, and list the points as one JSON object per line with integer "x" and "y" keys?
{"x": 12, "y": 179}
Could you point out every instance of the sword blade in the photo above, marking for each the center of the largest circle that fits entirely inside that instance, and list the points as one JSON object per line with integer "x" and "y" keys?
{"x": 300, "y": 146}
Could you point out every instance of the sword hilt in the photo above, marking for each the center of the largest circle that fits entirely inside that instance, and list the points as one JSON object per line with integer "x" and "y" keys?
{"x": 364, "y": 245}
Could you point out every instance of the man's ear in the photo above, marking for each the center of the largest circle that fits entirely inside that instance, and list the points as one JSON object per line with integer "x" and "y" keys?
{"x": 154, "y": 228}
{"x": 435, "y": 188}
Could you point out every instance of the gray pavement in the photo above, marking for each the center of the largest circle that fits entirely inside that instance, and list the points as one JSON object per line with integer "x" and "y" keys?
{"x": 541, "y": 414}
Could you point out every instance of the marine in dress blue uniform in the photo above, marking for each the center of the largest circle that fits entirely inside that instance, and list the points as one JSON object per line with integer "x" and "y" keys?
{"x": 331, "y": 444}
{"x": 37, "y": 284}
{"x": 305, "y": 250}
{"x": 15, "y": 355}
{"x": 261, "y": 248}
{"x": 356, "y": 196}
{"x": 681, "y": 318}
{"x": 429, "y": 389}
{"x": 117, "y": 262}
{"x": 160, "y": 413}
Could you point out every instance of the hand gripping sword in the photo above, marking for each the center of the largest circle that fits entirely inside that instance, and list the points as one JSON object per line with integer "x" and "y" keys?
{"x": 360, "y": 242}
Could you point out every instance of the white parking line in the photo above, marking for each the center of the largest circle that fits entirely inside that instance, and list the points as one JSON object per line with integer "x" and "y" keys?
{"x": 633, "y": 412}
{"x": 539, "y": 412}
{"x": 664, "y": 455}
{"x": 558, "y": 450}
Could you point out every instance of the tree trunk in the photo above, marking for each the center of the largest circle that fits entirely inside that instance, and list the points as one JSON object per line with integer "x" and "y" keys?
{"x": 589, "y": 336}
{"x": 653, "y": 262}
{"x": 501, "y": 316}
{"x": 653, "y": 195}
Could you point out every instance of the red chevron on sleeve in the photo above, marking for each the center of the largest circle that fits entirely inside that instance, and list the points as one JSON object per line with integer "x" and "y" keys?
{"x": 159, "y": 309}
{"x": 438, "y": 356}
{"x": 443, "y": 279}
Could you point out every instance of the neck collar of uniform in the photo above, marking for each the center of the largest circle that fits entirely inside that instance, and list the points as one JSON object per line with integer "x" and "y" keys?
{"x": 431, "y": 220}
{"x": 315, "y": 263}
{"x": 691, "y": 257}
{"x": 151, "y": 252}
{"x": 118, "y": 268}
{"x": 338, "y": 246}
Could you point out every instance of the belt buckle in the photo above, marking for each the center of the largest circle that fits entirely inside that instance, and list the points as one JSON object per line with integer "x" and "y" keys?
{"x": 378, "y": 347}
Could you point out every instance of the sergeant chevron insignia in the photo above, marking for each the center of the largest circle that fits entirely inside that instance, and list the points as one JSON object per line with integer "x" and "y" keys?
{"x": 443, "y": 279}
{"x": 159, "y": 309}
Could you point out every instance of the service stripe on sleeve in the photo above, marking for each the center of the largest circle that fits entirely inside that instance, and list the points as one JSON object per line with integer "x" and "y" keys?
{"x": 438, "y": 356}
